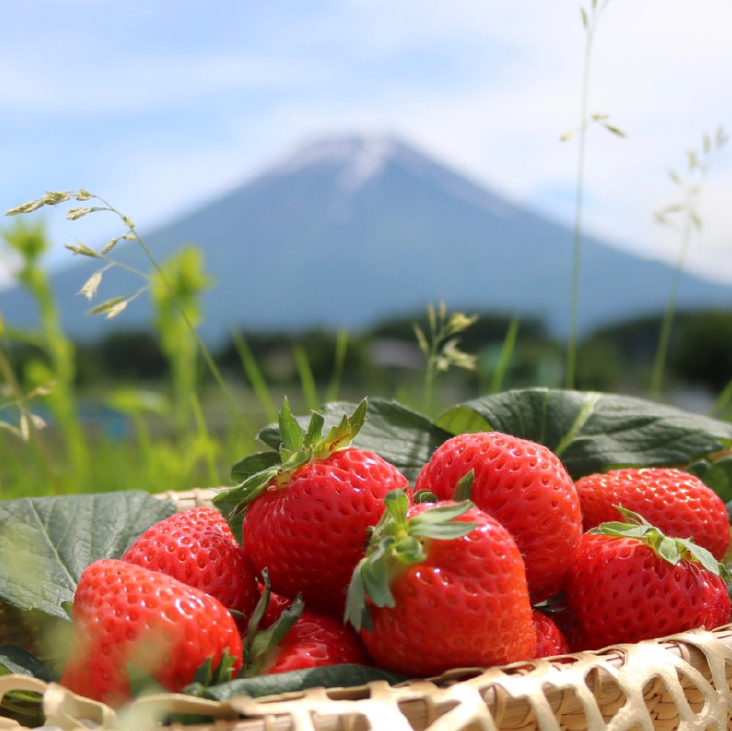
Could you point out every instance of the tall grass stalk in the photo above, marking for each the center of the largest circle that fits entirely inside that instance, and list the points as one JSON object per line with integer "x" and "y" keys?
{"x": 112, "y": 308}
{"x": 509, "y": 342}
{"x": 175, "y": 288}
{"x": 208, "y": 445}
{"x": 440, "y": 349}
{"x": 307, "y": 380}
{"x": 687, "y": 208}
{"x": 254, "y": 374}
{"x": 185, "y": 275}
{"x": 589, "y": 20}
{"x": 339, "y": 364}
{"x": 30, "y": 242}
{"x": 29, "y": 427}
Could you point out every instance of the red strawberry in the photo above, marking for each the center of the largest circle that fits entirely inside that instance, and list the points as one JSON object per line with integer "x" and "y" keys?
{"x": 307, "y": 519}
{"x": 314, "y": 640}
{"x": 197, "y": 547}
{"x": 525, "y": 487}
{"x": 441, "y": 586}
{"x": 125, "y": 615}
{"x": 678, "y": 503}
{"x": 630, "y": 582}
{"x": 283, "y": 636}
{"x": 550, "y": 640}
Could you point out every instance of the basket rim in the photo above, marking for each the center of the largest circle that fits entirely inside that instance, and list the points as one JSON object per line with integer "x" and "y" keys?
{"x": 696, "y": 654}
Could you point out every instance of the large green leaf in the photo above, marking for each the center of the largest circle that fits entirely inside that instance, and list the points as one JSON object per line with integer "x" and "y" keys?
{"x": 398, "y": 434}
{"x": 332, "y": 676}
{"x": 717, "y": 475}
{"x": 45, "y": 543}
{"x": 17, "y": 661}
{"x": 593, "y": 432}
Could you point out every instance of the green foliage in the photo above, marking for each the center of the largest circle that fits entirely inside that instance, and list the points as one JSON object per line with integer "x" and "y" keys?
{"x": 687, "y": 209}
{"x": 590, "y": 20}
{"x": 176, "y": 293}
{"x": 439, "y": 346}
{"x": 55, "y": 372}
{"x": 591, "y": 431}
{"x": 702, "y": 349}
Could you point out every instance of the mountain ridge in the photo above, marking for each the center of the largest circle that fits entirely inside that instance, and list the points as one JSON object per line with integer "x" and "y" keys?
{"x": 347, "y": 231}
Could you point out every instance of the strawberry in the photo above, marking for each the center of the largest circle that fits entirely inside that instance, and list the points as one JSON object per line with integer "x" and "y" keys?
{"x": 525, "y": 487}
{"x": 678, "y": 503}
{"x": 197, "y": 547}
{"x": 441, "y": 586}
{"x": 550, "y": 640}
{"x": 315, "y": 640}
{"x": 283, "y": 636}
{"x": 307, "y": 517}
{"x": 630, "y": 582}
{"x": 128, "y": 616}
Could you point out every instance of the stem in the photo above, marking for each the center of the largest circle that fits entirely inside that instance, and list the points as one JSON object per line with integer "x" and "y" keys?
{"x": 213, "y": 471}
{"x": 254, "y": 374}
{"x": 659, "y": 361}
{"x": 578, "y": 210}
{"x": 697, "y": 173}
{"x": 12, "y": 382}
{"x": 331, "y": 393}
{"x": 722, "y": 401}
{"x": 429, "y": 375}
{"x": 307, "y": 381}
{"x": 238, "y": 414}
{"x": 506, "y": 350}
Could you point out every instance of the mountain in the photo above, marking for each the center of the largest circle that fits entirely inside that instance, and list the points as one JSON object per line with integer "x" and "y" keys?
{"x": 350, "y": 230}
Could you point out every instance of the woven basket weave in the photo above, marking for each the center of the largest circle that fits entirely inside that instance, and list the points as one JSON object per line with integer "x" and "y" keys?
{"x": 681, "y": 682}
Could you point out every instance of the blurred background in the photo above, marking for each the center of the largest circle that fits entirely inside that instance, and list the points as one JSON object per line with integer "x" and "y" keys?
{"x": 294, "y": 188}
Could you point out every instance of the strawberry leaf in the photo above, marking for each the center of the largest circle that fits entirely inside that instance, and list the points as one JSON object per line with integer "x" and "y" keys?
{"x": 45, "y": 543}
{"x": 315, "y": 429}
{"x": 464, "y": 487}
{"x": 717, "y": 475}
{"x": 17, "y": 661}
{"x": 333, "y": 676}
{"x": 292, "y": 436}
{"x": 141, "y": 682}
{"x": 425, "y": 496}
{"x": 442, "y": 514}
{"x": 343, "y": 434}
{"x": 263, "y": 641}
{"x": 252, "y": 464}
{"x": 233, "y": 501}
{"x": 207, "y": 675}
{"x": 591, "y": 431}
{"x": 258, "y": 644}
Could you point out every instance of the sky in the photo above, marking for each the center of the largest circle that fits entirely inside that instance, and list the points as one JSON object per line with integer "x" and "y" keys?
{"x": 161, "y": 107}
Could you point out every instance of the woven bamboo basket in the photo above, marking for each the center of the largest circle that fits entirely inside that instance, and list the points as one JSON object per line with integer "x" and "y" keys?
{"x": 680, "y": 682}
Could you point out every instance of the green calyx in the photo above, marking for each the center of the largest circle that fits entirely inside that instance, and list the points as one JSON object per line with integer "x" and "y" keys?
{"x": 260, "y": 644}
{"x": 669, "y": 548}
{"x": 395, "y": 543}
{"x": 273, "y": 470}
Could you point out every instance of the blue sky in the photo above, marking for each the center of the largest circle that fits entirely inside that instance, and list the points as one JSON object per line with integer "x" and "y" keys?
{"x": 159, "y": 107}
